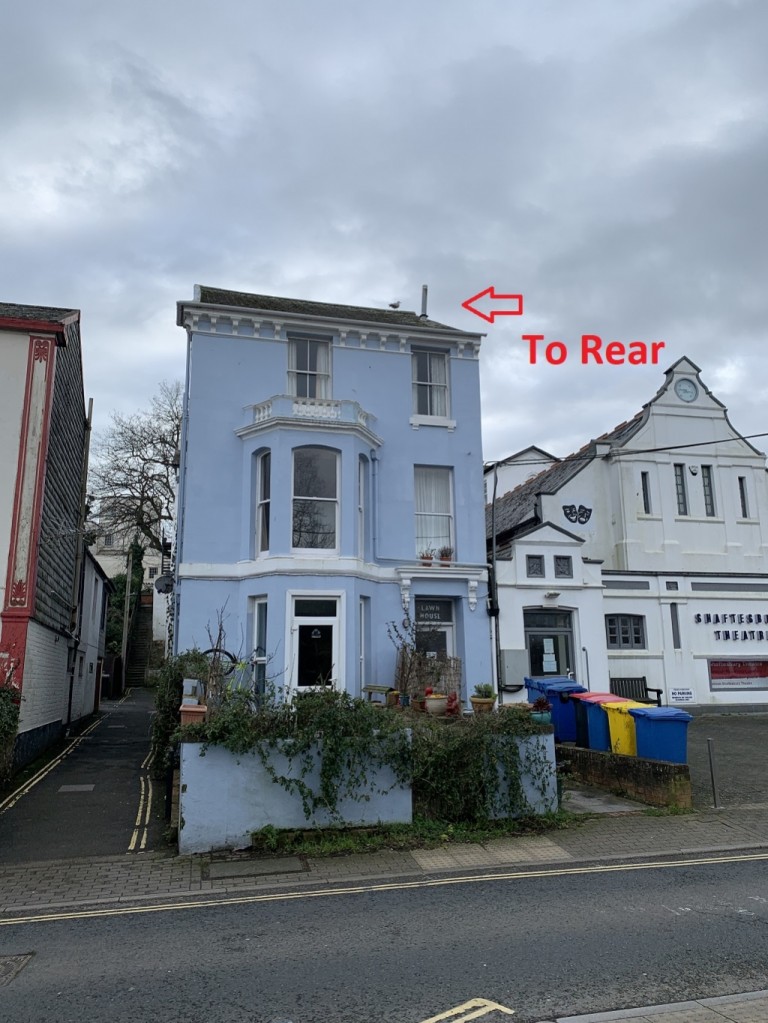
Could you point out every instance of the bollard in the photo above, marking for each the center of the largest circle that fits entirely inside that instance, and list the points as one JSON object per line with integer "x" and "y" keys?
{"x": 713, "y": 773}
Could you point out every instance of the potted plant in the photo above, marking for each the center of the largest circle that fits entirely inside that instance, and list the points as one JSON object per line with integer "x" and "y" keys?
{"x": 426, "y": 555}
{"x": 542, "y": 711}
{"x": 436, "y": 703}
{"x": 483, "y": 700}
{"x": 446, "y": 555}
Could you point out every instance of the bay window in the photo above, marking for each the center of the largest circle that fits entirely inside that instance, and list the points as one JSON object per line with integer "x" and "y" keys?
{"x": 315, "y": 499}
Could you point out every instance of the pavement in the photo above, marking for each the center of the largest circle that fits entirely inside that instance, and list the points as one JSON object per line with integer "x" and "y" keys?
{"x": 73, "y": 795}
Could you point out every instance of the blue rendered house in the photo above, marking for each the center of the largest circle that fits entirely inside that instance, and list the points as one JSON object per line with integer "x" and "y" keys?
{"x": 324, "y": 448}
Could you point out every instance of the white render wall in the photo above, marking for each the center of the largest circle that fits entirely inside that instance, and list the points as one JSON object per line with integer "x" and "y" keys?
{"x": 582, "y": 596}
{"x": 14, "y": 350}
{"x": 223, "y": 798}
{"x": 84, "y": 687}
{"x": 687, "y": 668}
{"x": 45, "y": 669}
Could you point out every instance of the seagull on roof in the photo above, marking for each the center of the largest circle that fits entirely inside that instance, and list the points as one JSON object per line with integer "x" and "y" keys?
{"x": 394, "y": 305}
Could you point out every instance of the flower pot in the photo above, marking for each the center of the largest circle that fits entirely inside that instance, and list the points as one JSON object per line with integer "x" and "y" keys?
{"x": 482, "y": 704}
{"x": 436, "y": 704}
{"x": 426, "y": 561}
{"x": 542, "y": 717}
{"x": 446, "y": 561}
{"x": 405, "y": 700}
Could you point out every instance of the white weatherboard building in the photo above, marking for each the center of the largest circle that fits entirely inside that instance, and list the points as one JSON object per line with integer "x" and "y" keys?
{"x": 643, "y": 554}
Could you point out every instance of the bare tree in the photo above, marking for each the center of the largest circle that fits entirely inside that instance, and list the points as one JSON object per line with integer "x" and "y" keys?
{"x": 133, "y": 472}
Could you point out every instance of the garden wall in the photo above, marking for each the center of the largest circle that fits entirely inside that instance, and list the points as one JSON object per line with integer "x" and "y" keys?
{"x": 656, "y": 782}
{"x": 538, "y": 775}
{"x": 223, "y": 798}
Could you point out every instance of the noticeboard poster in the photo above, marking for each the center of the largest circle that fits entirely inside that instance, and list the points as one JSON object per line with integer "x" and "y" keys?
{"x": 736, "y": 675}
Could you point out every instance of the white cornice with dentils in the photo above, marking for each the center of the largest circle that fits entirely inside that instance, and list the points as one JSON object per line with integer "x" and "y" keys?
{"x": 237, "y": 316}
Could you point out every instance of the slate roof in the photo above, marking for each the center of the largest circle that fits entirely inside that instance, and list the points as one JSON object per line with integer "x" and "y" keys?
{"x": 35, "y": 313}
{"x": 327, "y": 310}
{"x": 517, "y": 509}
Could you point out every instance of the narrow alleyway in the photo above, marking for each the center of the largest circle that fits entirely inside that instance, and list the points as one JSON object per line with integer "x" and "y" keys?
{"x": 97, "y": 799}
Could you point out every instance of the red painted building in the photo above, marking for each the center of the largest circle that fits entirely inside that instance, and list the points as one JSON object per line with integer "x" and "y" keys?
{"x": 43, "y": 456}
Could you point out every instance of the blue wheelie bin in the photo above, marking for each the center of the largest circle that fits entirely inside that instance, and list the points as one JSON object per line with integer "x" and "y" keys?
{"x": 532, "y": 689}
{"x": 662, "y": 733}
{"x": 557, "y": 690}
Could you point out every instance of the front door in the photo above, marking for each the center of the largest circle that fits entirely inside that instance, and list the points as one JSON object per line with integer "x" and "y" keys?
{"x": 315, "y": 631}
{"x": 549, "y": 641}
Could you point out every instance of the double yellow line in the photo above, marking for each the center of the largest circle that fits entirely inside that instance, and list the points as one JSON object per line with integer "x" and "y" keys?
{"x": 28, "y": 785}
{"x": 208, "y": 902}
{"x": 140, "y": 834}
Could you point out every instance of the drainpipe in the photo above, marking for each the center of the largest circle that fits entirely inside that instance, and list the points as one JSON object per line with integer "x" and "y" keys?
{"x": 586, "y": 665}
{"x": 78, "y": 583}
{"x": 493, "y": 589}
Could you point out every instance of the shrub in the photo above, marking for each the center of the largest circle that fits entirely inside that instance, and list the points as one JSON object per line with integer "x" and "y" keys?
{"x": 454, "y": 766}
{"x": 170, "y": 686}
{"x": 9, "y": 726}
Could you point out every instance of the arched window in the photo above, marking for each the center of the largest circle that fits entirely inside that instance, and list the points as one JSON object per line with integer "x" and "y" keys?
{"x": 315, "y": 499}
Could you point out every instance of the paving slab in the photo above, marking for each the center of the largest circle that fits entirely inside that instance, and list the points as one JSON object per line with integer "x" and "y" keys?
{"x": 750, "y": 1007}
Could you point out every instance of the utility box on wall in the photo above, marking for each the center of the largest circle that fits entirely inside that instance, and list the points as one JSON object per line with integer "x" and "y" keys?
{"x": 514, "y": 667}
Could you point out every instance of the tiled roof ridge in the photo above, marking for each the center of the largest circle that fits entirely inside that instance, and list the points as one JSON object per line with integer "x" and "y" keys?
{"x": 41, "y": 313}
{"x": 518, "y": 506}
{"x": 207, "y": 295}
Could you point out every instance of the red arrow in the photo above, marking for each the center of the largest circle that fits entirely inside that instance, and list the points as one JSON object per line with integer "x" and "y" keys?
{"x": 469, "y": 305}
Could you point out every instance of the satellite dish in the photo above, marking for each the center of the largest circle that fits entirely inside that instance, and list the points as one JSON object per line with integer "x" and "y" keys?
{"x": 164, "y": 584}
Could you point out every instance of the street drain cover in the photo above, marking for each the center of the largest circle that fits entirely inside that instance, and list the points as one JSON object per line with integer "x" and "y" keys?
{"x": 256, "y": 867}
{"x": 10, "y": 966}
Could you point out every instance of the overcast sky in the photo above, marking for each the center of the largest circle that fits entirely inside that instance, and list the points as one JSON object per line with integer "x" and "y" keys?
{"x": 607, "y": 159}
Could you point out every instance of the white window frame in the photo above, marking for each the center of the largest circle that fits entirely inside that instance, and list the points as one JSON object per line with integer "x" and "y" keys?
{"x": 423, "y": 542}
{"x": 431, "y": 417}
{"x": 681, "y": 490}
{"x": 264, "y": 459}
{"x": 317, "y": 380}
{"x": 362, "y": 483}
{"x": 319, "y": 551}
{"x": 708, "y": 490}
{"x": 292, "y": 637}
{"x": 743, "y": 497}
{"x": 364, "y": 613}
{"x": 645, "y": 487}
{"x": 627, "y": 623}
{"x": 258, "y": 612}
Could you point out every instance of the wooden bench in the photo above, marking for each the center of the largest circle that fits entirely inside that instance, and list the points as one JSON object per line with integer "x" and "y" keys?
{"x": 635, "y": 689}
{"x": 377, "y": 690}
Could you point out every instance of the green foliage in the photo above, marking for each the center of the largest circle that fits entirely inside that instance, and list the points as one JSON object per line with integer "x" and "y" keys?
{"x": 116, "y": 609}
{"x": 461, "y": 769}
{"x": 168, "y": 693}
{"x": 484, "y": 690}
{"x": 471, "y": 769}
{"x": 423, "y": 833}
{"x": 350, "y": 737}
{"x": 9, "y": 726}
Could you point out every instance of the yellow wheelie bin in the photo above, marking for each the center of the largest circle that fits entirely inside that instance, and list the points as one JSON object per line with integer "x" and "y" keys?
{"x": 621, "y": 726}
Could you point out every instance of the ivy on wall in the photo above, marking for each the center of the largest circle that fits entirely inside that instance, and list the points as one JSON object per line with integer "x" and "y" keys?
{"x": 468, "y": 769}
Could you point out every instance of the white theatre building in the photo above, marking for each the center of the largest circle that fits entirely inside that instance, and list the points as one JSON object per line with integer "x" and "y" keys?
{"x": 643, "y": 554}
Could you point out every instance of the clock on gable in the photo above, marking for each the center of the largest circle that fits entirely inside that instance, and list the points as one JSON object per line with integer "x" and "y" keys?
{"x": 686, "y": 389}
